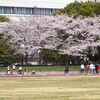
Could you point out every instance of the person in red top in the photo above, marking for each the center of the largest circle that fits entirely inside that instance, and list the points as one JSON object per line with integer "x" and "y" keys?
{"x": 98, "y": 68}
{"x": 88, "y": 69}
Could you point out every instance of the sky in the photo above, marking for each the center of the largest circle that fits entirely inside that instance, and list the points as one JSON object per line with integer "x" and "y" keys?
{"x": 38, "y": 3}
{"x": 59, "y": 3}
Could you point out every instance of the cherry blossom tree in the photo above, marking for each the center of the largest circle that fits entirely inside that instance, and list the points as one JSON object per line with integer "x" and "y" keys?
{"x": 27, "y": 35}
{"x": 84, "y": 33}
{"x": 75, "y": 36}
{"x": 62, "y": 33}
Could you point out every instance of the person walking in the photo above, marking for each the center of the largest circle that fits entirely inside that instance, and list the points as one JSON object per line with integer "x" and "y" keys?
{"x": 96, "y": 68}
{"x": 66, "y": 69}
{"x": 88, "y": 69}
{"x": 99, "y": 69}
{"x": 92, "y": 68}
{"x": 8, "y": 70}
{"x": 82, "y": 68}
{"x": 14, "y": 67}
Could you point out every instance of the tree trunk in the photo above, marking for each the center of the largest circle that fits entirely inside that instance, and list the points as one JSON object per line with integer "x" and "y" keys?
{"x": 22, "y": 60}
{"x": 26, "y": 58}
{"x": 95, "y": 1}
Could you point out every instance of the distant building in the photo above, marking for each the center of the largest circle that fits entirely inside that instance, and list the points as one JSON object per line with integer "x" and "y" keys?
{"x": 28, "y": 7}
{"x": 94, "y": 0}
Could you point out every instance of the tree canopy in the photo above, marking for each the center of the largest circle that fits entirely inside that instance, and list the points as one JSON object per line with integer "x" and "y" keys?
{"x": 59, "y": 33}
{"x": 6, "y": 53}
{"x": 4, "y": 19}
{"x": 86, "y": 9}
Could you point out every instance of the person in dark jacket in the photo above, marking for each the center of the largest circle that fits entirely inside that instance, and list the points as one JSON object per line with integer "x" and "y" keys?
{"x": 96, "y": 68}
{"x": 66, "y": 68}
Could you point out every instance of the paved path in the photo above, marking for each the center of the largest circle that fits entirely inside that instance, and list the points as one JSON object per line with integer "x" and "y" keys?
{"x": 46, "y": 72}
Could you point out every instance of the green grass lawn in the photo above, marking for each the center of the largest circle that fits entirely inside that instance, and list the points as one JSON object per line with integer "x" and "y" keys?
{"x": 46, "y": 68}
{"x": 50, "y": 88}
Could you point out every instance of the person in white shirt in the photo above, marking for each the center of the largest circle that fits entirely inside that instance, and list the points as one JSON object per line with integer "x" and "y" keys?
{"x": 82, "y": 68}
{"x": 92, "y": 68}
{"x": 20, "y": 70}
{"x": 14, "y": 67}
{"x": 8, "y": 70}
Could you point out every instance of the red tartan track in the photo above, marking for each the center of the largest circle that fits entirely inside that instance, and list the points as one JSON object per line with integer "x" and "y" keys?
{"x": 47, "y": 75}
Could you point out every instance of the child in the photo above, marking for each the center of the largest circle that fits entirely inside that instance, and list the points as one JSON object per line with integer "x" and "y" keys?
{"x": 8, "y": 70}
{"x": 33, "y": 72}
{"x": 25, "y": 71}
{"x": 14, "y": 67}
{"x": 20, "y": 70}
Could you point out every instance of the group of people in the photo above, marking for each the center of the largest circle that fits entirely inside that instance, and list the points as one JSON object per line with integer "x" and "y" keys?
{"x": 91, "y": 68}
{"x": 13, "y": 71}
